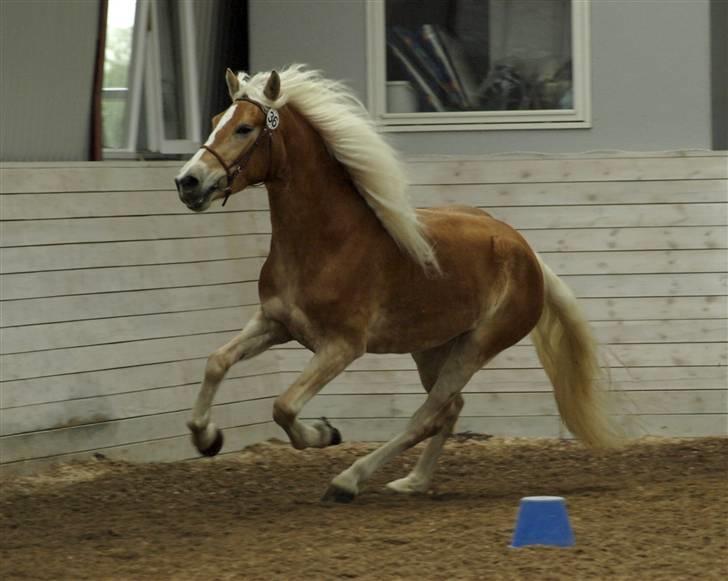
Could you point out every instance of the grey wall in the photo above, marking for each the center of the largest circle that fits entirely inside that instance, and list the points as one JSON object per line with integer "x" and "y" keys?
{"x": 651, "y": 73}
{"x": 47, "y": 52}
{"x": 327, "y": 35}
{"x": 719, "y": 66}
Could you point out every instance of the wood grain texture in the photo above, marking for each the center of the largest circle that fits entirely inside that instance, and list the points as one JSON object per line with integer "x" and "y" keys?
{"x": 567, "y": 170}
{"x": 115, "y": 176}
{"x": 130, "y": 228}
{"x": 97, "y": 204}
{"x": 104, "y": 382}
{"x": 127, "y": 303}
{"x": 104, "y": 434}
{"x": 126, "y": 278}
{"x": 168, "y": 449}
{"x": 141, "y": 253}
{"x": 147, "y": 252}
{"x": 127, "y": 329}
{"x": 571, "y": 194}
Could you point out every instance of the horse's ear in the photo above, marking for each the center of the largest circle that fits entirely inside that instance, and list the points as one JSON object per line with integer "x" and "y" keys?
{"x": 233, "y": 83}
{"x": 216, "y": 120}
{"x": 273, "y": 86}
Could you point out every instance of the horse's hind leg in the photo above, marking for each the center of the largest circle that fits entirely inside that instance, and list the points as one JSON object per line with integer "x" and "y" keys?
{"x": 466, "y": 357}
{"x": 420, "y": 478}
{"x": 258, "y": 335}
{"x": 429, "y": 365}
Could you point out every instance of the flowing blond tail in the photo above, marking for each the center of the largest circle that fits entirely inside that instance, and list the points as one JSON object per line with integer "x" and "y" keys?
{"x": 568, "y": 353}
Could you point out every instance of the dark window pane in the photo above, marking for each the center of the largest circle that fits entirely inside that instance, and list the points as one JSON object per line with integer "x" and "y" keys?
{"x": 478, "y": 55}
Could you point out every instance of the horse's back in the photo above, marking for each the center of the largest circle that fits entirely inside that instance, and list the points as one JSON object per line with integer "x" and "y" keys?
{"x": 465, "y": 229}
{"x": 470, "y": 240}
{"x": 444, "y": 221}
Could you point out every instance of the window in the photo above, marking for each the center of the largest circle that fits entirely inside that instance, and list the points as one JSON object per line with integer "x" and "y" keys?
{"x": 117, "y": 60}
{"x": 150, "y": 52}
{"x": 170, "y": 82}
{"x": 478, "y": 64}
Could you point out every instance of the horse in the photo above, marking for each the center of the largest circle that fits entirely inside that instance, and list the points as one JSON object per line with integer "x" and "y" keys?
{"x": 353, "y": 268}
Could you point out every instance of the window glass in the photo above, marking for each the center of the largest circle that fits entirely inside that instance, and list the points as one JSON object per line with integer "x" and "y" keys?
{"x": 117, "y": 60}
{"x": 478, "y": 55}
{"x": 173, "y": 105}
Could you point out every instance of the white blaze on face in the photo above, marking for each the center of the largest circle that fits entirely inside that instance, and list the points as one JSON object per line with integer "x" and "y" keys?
{"x": 225, "y": 118}
{"x": 210, "y": 140}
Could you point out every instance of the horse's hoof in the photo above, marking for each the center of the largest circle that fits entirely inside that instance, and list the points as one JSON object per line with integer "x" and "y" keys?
{"x": 335, "y": 435}
{"x": 215, "y": 447}
{"x": 408, "y": 485}
{"x": 336, "y": 494}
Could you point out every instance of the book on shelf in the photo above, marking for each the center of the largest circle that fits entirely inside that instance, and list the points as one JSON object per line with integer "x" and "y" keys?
{"x": 437, "y": 71}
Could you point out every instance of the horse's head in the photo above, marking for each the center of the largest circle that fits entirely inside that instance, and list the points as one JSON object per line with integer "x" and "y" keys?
{"x": 237, "y": 153}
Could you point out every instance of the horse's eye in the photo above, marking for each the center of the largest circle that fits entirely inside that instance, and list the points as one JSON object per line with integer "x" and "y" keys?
{"x": 243, "y": 130}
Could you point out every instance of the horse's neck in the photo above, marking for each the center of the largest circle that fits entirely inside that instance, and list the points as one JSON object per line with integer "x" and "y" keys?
{"x": 314, "y": 204}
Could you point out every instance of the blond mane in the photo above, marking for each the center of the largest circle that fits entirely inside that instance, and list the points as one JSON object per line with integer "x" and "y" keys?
{"x": 349, "y": 133}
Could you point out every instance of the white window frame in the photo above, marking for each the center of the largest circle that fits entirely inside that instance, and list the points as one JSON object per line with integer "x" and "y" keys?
{"x": 578, "y": 117}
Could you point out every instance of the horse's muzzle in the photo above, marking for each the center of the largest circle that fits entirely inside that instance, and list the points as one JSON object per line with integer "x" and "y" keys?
{"x": 197, "y": 206}
{"x": 191, "y": 194}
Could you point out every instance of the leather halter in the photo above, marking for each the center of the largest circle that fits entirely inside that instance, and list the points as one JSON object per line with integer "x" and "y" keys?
{"x": 232, "y": 170}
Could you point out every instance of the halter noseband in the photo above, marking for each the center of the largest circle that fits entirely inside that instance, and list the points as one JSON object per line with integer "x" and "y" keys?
{"x": 271, "y": 121}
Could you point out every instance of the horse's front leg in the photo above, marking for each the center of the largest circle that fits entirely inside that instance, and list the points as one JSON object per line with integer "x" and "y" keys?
{"x": 328, "y": 362}
{"x": 258, "y": 335}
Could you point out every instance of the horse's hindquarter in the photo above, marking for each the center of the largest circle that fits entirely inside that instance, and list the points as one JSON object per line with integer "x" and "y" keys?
{"x": 488, "y": 270}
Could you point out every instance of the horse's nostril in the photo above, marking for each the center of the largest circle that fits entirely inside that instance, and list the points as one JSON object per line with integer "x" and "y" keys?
{"x": 188, "y": 182}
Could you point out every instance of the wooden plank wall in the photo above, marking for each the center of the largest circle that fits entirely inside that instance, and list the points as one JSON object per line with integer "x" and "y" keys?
{"x": 113, "y": 294}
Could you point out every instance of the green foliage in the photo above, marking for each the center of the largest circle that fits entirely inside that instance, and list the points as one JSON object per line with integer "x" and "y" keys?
{"x": 117, "y": 57}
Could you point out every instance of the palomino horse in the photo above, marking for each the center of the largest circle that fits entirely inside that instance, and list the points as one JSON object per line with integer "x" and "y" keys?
{"x": 354, "y": 269}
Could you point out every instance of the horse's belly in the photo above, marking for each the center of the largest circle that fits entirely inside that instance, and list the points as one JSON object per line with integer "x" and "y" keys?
{"x": 419, "y": 329}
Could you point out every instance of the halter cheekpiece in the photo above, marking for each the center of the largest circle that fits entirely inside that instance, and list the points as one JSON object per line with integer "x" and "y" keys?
{"x": 272, "y": 120}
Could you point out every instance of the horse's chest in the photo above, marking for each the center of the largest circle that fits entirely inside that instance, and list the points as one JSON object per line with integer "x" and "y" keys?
{"x": 281, "y": 301}
{"x": 306, "y": 305}
{"x": 292, "y": 317}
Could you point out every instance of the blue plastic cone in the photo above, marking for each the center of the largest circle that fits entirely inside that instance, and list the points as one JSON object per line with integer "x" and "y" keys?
{"x": 543, "y": 520}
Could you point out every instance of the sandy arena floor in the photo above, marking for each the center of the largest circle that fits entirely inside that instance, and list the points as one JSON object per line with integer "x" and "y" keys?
{"x": 657, "y": 510}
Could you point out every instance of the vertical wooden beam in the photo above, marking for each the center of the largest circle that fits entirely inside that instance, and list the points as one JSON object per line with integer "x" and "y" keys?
{"x": 95, "y": 139}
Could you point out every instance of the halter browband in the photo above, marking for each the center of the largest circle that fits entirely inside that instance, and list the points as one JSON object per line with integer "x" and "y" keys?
{"x": 232, "y": 170}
